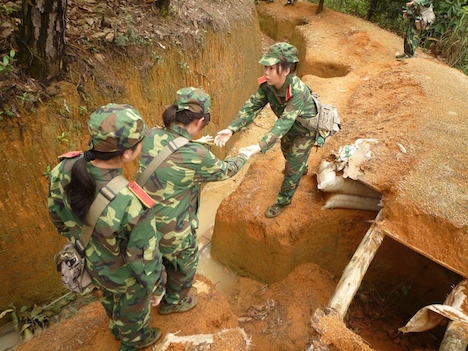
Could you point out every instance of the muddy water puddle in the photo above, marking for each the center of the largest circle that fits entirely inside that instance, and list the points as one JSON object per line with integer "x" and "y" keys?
{"x": 223, "y": 278}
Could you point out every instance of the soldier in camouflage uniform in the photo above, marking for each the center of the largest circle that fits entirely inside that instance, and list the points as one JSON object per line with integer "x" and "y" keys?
{"x": 412, "y": 34}
{"x": 122, "y": 256}
{"x": 289, "y": 98}
{"x": 175, "y": 187}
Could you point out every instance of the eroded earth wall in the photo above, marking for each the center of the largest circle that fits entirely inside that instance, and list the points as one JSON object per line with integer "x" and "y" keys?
{"x": 224, "y": 64}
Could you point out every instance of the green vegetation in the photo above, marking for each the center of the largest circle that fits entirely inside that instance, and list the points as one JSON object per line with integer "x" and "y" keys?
{"x": 7, "y": 10}
{"x": 157, "y": 59}
{"x": 6, "y": 112}
{"x": 63, "y": 137}
{"x": 184, "y": 67}
{"x": 29, "y": 321}
{"x": 83, "y": 110}
{"x": 25, "y": 98}
{"x": 6, "y": 63}
{"x": 47, "y": 172}
{"x": 131, "y": 37}
{"x": 446, "y": 38}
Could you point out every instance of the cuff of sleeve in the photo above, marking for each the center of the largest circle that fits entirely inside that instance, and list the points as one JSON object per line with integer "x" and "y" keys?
{"x": 263, "y": 146}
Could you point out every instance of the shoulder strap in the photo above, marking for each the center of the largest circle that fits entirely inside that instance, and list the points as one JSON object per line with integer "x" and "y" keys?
{"x": 163, "y": 154}
{"x": 106, "y": 195}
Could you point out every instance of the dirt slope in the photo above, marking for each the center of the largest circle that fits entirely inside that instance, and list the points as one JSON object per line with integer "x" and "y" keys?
{"x": 351, "y": 63}
{"x": 416, "y": 109}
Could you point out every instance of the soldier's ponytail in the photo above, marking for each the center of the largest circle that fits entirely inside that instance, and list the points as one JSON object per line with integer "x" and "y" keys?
{"x": 81, "y": 190}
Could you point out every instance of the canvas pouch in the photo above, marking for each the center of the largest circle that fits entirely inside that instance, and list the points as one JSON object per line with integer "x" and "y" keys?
{"x": 71, "y": 264}
{"x": 327, "y": 122}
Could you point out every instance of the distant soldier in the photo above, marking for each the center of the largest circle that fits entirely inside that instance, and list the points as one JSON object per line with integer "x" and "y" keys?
{"x": 122, "y": 256}
{"x": 289, "y": 98}
{"x": 175, "y": 187}
{"x": 420, "y": 15}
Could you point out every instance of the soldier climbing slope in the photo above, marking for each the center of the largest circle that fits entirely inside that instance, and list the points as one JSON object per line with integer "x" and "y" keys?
{"x": 289, "y": 98}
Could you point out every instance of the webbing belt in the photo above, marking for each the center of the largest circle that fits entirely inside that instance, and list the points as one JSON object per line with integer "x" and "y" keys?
{"x": 172, "y": 146}
{"x": 106, "y": 195}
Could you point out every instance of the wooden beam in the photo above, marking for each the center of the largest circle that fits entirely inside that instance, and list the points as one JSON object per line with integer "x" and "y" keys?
{"x": 356, "y": 269}
{"x": 455, "y": 337}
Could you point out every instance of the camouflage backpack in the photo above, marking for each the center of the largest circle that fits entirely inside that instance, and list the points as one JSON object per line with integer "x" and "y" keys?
{"x": 71, "y": 260}
{"x": 327, "y": 121}
{"x": 426, "y": 17}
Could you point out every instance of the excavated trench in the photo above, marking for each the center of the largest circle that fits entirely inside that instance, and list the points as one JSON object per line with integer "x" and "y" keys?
{"x": 325, "y": 69}
{"x": 266, "y": 250}
{"x": 404, "y": 272}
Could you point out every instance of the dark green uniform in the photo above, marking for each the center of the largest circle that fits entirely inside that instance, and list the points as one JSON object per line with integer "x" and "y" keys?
{"x": 122, "y": 256}
{"x": 175, "y": 187}
{"x": 412, "y": 34}
{"x": 292, "y": 101}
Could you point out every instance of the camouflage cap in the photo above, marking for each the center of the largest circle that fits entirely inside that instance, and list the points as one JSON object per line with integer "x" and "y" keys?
{"x": 193, "y": 99}
{"x": 116, "y": 127}
{"x": 279, "y": 52}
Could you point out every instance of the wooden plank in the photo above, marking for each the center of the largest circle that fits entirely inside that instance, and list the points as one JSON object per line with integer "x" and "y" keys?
{"x": 356, "y": 269}
{"x": 455, "y": 338}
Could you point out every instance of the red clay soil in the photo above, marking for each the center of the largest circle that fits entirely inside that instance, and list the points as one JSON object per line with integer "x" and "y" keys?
{"x": 419, "y": 104}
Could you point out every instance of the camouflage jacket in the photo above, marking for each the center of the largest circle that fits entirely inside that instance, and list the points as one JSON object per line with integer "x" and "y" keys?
{"x": 175, "y": 185}
{"x": 123, "y": 249}
{"x": 293, "y": 100}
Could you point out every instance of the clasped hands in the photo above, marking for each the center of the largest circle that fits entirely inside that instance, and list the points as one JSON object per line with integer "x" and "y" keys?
{"x": 222, "y": 138}
{"x": 250, "y": 150}
{"x": 224, "y": 135}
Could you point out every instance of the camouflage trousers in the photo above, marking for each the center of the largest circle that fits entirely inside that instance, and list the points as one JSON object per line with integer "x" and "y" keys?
{"x": 180, "y": 259}
{"x": 296, "y": 151}
{"x": 129, "y": 315}
{"x": 411, "y": 41}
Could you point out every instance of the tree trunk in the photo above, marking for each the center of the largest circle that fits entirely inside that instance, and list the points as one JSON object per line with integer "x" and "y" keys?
{"x": 320, "y": 7}
{"x": 42, "y": 38}
{"x": 372, "y": 6}
{"x": 163, "y": 6}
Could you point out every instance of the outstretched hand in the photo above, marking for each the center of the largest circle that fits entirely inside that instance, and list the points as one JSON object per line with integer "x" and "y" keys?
{"x": 222, "y": 137}
{"x": 250, "y": 150}
{"x": 206, "y": 139}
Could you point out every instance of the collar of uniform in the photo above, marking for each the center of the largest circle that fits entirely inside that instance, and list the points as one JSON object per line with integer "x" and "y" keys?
{"x": 180, "y": 130}
{"x": 284, "y": 88}
{"x": 103, "y": 174}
